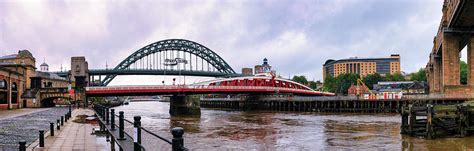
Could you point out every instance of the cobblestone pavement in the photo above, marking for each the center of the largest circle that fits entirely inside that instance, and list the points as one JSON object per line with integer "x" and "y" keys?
{"x": 26, "y": 127}
{"x": 4, "y": 114}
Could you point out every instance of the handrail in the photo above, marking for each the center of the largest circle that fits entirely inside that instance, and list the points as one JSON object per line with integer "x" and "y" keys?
{"x": 101, "y": 112}
{"x": 168, "y": 141}
{"x": 204, "y": 87}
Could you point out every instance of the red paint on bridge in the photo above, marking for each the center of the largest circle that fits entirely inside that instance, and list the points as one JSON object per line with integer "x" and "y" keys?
{"x": 257, "y": 84}
{"x": 141, "y": 90}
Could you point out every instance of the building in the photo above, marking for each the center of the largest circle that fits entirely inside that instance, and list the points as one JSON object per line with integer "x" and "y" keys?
{"x": 22, "y": 86}
{"x": 247, "y": 71}
{"x": 405, "y": 87}
{"x": 264, "y": 68}
{"x": 14, "y": 72}
{"x": 362, "y": 66}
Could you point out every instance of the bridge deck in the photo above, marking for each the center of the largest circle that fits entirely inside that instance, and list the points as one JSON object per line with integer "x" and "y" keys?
{"x": 144, "y": 90}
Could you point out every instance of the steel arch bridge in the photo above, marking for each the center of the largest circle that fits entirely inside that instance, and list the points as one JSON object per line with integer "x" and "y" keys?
{"x": 167, "y": 57}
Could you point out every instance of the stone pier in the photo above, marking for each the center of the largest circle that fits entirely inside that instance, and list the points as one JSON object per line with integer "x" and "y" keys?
{"x": 185, "y": 105}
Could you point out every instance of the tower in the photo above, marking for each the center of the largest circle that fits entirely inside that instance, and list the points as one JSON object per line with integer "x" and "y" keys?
{"x": 44, "y": 67}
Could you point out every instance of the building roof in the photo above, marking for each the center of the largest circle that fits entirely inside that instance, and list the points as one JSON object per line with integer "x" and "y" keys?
{"x": 12, "y": 56}
{"x": 48, "y": 75}
{"x": 44, "y": 64}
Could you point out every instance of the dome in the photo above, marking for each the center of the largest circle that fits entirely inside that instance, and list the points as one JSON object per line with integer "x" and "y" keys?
{"x": 44, "y": 64}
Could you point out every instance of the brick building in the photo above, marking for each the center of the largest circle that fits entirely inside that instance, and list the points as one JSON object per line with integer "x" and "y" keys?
{"x": 362, "y": 66}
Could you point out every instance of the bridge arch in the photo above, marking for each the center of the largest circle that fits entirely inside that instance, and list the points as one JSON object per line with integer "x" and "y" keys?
{"x": 179, "y": 45}
{"x": 53, "y": 101}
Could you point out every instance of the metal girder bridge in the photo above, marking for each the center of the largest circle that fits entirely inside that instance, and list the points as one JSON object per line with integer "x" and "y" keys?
{"x": 168, "y": 57}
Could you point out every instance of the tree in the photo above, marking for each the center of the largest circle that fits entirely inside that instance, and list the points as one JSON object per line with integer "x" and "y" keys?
{"x": 300, "y": 79}
{"x": 329, "y": 84}
{"x": 344, "y": 81}
{"x": 420, "y": 75}
{"x": 463, "y": 72}
{"x": 313, "y": 85}
{"x": 372, "y": 79}
{"x": 394, "y": 77}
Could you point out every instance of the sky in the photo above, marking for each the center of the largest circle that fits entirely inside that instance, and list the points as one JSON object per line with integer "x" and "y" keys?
{"x": 297, "y": 36}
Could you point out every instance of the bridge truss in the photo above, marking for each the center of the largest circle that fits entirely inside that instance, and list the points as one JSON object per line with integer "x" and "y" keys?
{"x": 167, "y": 57}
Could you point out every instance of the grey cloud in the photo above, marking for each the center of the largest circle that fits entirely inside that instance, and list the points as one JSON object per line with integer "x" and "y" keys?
{"x": 297, "y": 36}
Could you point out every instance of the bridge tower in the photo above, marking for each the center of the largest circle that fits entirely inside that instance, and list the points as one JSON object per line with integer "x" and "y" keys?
{"x": 80, "y": 75}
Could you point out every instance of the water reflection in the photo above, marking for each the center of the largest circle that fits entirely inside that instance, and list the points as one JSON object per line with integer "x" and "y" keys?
{"x": 243, "y": 130}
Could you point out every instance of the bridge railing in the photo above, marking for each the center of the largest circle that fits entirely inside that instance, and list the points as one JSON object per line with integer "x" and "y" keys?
{"x": 107, "y": 120}
{"x": 196, "y": 87}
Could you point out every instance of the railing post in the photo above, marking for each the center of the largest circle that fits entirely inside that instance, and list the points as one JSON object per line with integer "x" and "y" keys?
{"x": 177, "y": 142}
{"x": 107, "y": 116}
{"x": 58, "y": 124}
{"x": 22, "y": 145}
{"x": 121, "y": 126}
{"x": 51, "y": 129}
{"x": 137, "y": 137}
{"x": 70, "y": 109}
{"x": 429, "y": 121}
{"x": 112, "y": 119}
{"x": 41, "y": 138}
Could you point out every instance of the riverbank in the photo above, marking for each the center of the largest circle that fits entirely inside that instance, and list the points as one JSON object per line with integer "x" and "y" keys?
{"x": 26, "y": 125}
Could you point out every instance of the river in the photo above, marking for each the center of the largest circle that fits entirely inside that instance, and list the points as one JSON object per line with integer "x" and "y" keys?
{"x": 256, "y": 130}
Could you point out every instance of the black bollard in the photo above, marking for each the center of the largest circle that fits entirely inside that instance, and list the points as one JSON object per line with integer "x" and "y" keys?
{"x": 177, "y": 142}
{"x": 112, "y": 119}
{"x": 62, "y": 120}
{"x": 41, "y": 138}
{"x": 57, "y": 124}
{"x": 121, "y": 126}
{"x": 51, "y": 129}
{"x": 137, "y": 138}
{"x": 107, "y": 115}
{"x": 22, "y": 145}
{"x": 65, "y": 118}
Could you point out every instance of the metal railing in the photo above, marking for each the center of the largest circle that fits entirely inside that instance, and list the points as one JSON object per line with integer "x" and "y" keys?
{"x": 204, "y": 87}
{"x": 107, "y": 117}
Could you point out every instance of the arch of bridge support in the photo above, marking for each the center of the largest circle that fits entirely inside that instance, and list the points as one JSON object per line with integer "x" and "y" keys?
{"x": 181, "y": 45}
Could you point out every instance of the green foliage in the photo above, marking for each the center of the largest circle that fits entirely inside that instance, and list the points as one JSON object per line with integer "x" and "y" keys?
{"x": 314, "y": 85}
{"x": 394, "y": 77}
{"x": 300, "y": 79}
{"x": 344, "y": 81}
{"x": 420, "y": 75}
{"x": 463, "y": 72}
{"x": 372, "y": 79}
{"x": 329, "y": 84}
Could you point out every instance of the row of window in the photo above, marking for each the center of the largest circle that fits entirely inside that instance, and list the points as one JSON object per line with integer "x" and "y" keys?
{"x": 3, "y": 98}
{"x": 3, "y": 85}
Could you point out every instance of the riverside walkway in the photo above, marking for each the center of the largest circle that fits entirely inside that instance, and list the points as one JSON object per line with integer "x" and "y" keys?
{"x": 72, "y": 136}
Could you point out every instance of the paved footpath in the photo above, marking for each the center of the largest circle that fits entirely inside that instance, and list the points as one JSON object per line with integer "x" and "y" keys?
{"x": 72, "y": 136}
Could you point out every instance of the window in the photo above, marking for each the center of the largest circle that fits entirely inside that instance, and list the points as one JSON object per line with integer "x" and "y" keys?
{"x": 3, "y": 84}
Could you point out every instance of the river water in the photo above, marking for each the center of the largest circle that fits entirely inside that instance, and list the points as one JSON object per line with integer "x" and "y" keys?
{"x": 252, "y": 130}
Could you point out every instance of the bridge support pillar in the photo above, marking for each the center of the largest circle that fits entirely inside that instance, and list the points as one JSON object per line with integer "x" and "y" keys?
{"x": 450, "y": 58}
{"x": 185, "y": 105}
{"x": 436, "y": 74}
{"x": 470, "y": 61}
